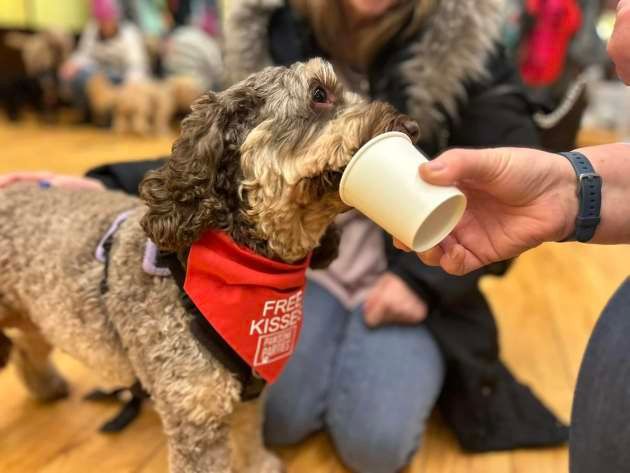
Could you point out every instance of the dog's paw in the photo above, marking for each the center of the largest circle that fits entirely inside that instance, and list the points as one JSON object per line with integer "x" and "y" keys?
{"x": 52, "y": 388}
{"x": 56, "y": 390}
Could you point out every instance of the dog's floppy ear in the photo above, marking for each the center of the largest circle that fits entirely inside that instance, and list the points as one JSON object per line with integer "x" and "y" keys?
{"x": 197, "y": 188}
{"x": 328, "y": 248}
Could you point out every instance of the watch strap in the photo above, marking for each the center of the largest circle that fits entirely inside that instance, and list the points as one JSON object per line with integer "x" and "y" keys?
{"x": 589, "y": 190}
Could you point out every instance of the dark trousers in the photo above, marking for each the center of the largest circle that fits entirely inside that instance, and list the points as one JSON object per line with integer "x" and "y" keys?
{"x": 600, "y": 427}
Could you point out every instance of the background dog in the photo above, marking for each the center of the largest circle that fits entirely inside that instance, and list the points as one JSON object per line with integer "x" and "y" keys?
{"x": 261, "y": 162}
{"x": 34, "y": 58}
{"x": 141, "y": 107}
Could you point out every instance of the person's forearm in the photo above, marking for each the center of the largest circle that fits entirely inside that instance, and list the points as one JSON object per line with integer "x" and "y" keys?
{"x": 612, "y": 162}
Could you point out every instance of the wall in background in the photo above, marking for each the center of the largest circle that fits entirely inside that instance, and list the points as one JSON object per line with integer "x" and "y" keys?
{"x": 37, "y": 14}
{"x": 12, "y": 13}
{"x": 66, "y": 14}
{"x": 69, "y": 14}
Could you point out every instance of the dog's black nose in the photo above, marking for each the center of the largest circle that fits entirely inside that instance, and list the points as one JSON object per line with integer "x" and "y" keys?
{"x": 412, "y": 129}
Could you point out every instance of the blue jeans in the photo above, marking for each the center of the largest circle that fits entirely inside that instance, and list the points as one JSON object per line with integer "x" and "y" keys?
{"x": 372, "y": 389}
{"x": 600, "y": 425}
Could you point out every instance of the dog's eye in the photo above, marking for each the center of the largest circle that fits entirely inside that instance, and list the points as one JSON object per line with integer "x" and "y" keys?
{"x": 320, "y": 95}
{"x": 321, "y": 98}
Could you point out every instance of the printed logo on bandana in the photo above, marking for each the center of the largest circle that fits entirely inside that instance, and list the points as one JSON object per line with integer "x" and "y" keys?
{"x": 277, "y": 329}
{"x": 254, "y": 303}
{"x": 275, "y": 346}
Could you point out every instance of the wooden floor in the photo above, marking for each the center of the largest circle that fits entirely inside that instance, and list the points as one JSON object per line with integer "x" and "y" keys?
{"x": 546, "y": 309}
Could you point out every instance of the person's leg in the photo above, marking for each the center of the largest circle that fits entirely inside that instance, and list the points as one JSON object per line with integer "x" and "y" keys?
{"x": 296, "y": 403}
{"x": 600, "y": 427}
{"x": 78, "y": 87}
{"x": 385, "y": 385}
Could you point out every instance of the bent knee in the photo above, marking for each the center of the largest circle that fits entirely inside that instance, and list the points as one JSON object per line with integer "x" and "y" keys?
{"x": 288, "y": 421}
{"x": 377, "y": 450}
{"x": 288, "y": 430}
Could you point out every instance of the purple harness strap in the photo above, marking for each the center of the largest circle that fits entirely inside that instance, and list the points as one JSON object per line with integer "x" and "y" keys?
{"x": 149, "y": 261}
{"x": 118, "y": 221}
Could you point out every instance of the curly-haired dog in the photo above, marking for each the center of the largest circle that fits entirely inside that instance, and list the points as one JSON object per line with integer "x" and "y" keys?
{"x": 261, "y": 162}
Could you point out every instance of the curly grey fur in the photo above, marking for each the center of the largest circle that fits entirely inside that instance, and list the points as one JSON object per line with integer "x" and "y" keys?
{"x": 452, "y": 48}
{"x": 50, "y": 291}
{"x": 262, "y": 134}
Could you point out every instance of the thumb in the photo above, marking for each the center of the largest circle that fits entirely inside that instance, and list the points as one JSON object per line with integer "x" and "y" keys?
{"x": 462, "y": 164}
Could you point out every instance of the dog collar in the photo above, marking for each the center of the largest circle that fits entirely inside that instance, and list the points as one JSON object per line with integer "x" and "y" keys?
{"x": 253, "y": 303}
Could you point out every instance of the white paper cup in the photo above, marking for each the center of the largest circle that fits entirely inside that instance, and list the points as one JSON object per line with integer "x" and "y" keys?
{"x": 382, "y": 182}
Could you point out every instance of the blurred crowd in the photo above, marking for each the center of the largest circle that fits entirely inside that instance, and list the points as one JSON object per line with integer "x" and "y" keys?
{"x": 135, "y": 65}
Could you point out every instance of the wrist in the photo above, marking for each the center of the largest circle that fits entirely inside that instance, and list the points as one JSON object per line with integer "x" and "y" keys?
{"x": 612, "y": 162}
{"x": 567, "y": 198}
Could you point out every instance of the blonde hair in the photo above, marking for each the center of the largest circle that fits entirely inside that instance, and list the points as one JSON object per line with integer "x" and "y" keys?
{"x": 326, "y": 18}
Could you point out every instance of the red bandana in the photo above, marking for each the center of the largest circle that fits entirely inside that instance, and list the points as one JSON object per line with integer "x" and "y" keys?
{"x": 253, "y": 302}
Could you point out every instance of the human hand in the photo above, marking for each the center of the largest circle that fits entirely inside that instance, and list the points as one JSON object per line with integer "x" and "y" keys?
{"x": 68, "y": 70}
{"x": 51, "y": 179}
{"x": 619, "y": 44}
{"x": 517, "y": 199}
{"x": 392, "y": 301}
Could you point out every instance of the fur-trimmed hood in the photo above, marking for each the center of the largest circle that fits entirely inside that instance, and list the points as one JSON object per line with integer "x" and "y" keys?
{"x": 450, "y": 51}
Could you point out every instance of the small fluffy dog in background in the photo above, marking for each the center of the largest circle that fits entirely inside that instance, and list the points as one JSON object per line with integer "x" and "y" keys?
{"x": 102, "y": 96}
{"x": 34, "y": 79}
{"x": 262, "y": 162}
{"x": 140, "y": 107}
{"x": 184, "y": 90}
{"x": 143, "y": 108}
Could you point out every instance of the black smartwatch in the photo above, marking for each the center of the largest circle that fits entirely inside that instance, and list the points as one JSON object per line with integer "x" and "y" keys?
{"x": 589, "y": 191}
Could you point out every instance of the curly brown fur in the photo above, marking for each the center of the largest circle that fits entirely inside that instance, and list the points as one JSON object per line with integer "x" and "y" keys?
{"x": 255, "y": 161}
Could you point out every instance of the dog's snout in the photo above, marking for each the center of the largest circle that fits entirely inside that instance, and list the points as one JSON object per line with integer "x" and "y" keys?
{"x": 411, "y": 128}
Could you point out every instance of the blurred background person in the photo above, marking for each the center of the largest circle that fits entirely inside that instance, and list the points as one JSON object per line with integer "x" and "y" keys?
{"x": 109, "y": 46}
